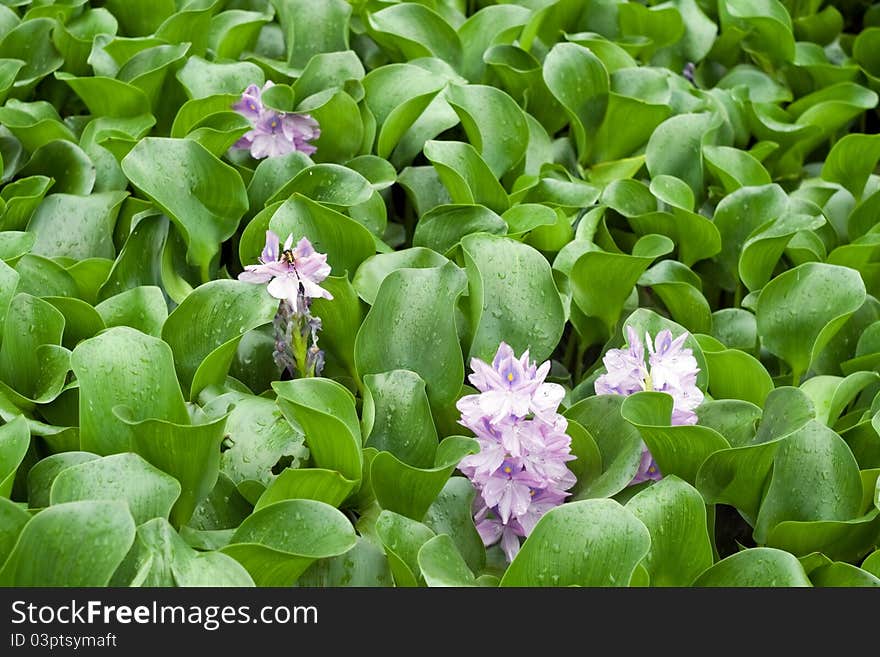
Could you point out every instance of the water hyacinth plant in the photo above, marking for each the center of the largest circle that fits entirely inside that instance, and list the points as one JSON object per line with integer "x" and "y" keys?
{"x": 671, "y": 368}
{"x": 520, "y": 471}
{"x": 558, "y": 293}
{"x": 293, "y": 276}
{"x": 273, "y": 133}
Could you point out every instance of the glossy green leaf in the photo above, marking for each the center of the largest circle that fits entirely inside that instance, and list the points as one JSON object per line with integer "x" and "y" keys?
{"x": 466, "y": 175}
{"x": 74, "y": 544}
{"x": 149, "y": 493}
{"x": 208, "y": 325}
{"x": 678, "y": 450}
{"x": 512, "y": 298}
{"x": 325, "y": 411}
{"x": 817, "y": 455}
{"x": 442, "y": 565}
{"x": 414, "y": 306}
{"x": 15, "y": 438}
{"x": 408, "y": 490}
{"x": 175, "y": 174}
{"x": 587, "y": 543}
{"x": 755, "y": 567}
{"x": 800, "y": 310}
{"x": 123, "y": 366}
{"x": 397, "y": 417}
{"x": 618, "y": 441}
{"x": 579, "y": 81}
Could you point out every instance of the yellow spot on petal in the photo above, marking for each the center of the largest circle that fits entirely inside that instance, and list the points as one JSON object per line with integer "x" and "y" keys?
{"x": 507, "y": 469}
{"x": 510, "y": 376}
{"x": 652, "y": 469}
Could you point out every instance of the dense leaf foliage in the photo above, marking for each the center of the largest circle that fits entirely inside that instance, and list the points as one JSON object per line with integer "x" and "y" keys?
{"x": 543, "y": 173}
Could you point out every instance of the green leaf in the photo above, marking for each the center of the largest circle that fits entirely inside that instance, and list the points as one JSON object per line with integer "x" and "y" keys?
{"x": 363, "y": 566}
{"x": 327, "y": 183}
{"x": 15, "y": 439}
{"x": 675, "y": 149}
{"x": 149, "y": 493}
{"x": 414, "y": 307}
{"x": 204, "y": 330}
{"x": 755, "y": 567}
{"x": 402, "y": 538}
{"x": 734, "y": 374}
{"x": 257, "y": 438}
{"x": 737, "y": 476}
{"x": 466, "y": 175}
{"x": 846, "y": 540}
{"x": 444, "y": 226}
{"x": 326, "y": 486}
{"x": 554, "y": 553}
{"x": 851, "y": 161}
{"x": 601, "y": 282}
{"x": 844, "y": 575}
{"x": 442, "y": 565}
{"x": 66, "y": 163}
{"x": 142, "y": 308}
{"x": 489, "y": 25}
{"x": 204, "y": 197}
{"x": 451, "y": 513}
{"x": 123, "y": 366}
{"x": 579, "y": 81}
{"x": 800, "y": 310}
{"x": 325, "y": 411}
{"x": 188, "y": 452}
{"x": 734, "y": 168}
{"x": 31, "y": 42}
{"x": 77, "y": 227}
{"x": 680, "y": 290}
{"x": 512, "y": 298}
{"x": 764, "y": 246}
{"x": 160, "y": 557}
{"x": 618, "y": 441}
{"x": 409, "y": 31}
{"x": 397, "y": 417}
{"x": 279, "y": 542}
{"x": 408, "y": 490}
{"x": 817, "y": 455}
{"x": 105, "y": 96}
{"x": 233, "y": 31}
{"x": 33, "y": 365}
{"x": 675, "y": 515}
{"x": 341, "y": 318}
{"x": 372, "y": 272}
{"x": 42, "y": 475}
{"x": 75, "y": 544}
{"x": 13, "y": 518}
{"x": 310, "y": 28}
{"x": 22, "y": 198}
{"x": 832, "y": 394}
{"x": 494, "y": 124}
{"x": 678, "y": 450}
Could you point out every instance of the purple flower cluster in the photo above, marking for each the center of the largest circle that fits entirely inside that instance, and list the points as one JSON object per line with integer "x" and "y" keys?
{"x": 274, "y": 133}
{"x": 293, "y": 276}
{"x": 520, "y": 470}
{"x": 671, "y": 368}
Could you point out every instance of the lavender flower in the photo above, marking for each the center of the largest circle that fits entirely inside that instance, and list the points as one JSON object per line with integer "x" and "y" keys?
{"x": 293, "y": 276}
{"x": 520, "y": 470}
{"x": 671, "y": 368}
{"x": 274, "y": 133}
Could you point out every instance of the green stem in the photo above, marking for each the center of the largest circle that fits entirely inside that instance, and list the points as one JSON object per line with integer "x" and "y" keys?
{"x": 299, "y": 347}
{"x": 579, "y": 364}
{"x": 738, "y": 295}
